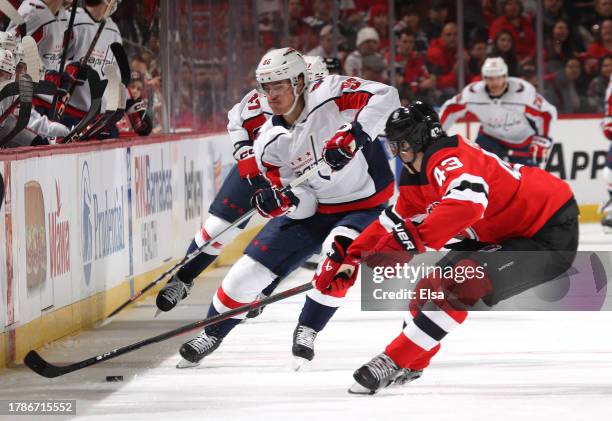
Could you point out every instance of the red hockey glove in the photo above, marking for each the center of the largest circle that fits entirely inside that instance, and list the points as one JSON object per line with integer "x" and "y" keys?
{"x": 339, "y": 269}
{"x": 139, "y": 118}
{"x": 244, "y": 155}
{"x": 539, "y": 148}
{"x": 398, "y": 246}
{"x": 606, "y": 126}
{"x": 343, "y": 145}
{"x": 272, "y": 203}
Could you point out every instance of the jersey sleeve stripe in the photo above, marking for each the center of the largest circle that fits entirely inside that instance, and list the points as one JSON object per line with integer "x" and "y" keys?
{"x": 352, "y": 100}
{"x": 451, "y": 109}
{"x": 545, "y": 116}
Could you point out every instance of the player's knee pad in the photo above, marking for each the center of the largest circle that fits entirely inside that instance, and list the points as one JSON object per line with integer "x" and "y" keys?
{"x": 212, "y": 227}
{"x": 241, "y": 285}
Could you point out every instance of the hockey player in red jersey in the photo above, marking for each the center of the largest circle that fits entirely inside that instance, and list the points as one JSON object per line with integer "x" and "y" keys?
{"x": 450, "y": 188}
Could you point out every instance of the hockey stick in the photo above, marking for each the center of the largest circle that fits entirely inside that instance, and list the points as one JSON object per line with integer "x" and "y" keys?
{"x": 188, "y": 258}
{"x": 113, "y": 99}
{"x": 122, "y": 62}
{"x": 113, "y": 119}
{"x": 7, "y": 8}
{"x": 36, "y": 363}
{"x": 66, "y": 99}
{"x": 97, "y": 88}
{"x": 67, "y": 37}
{"x": 26, "y": 94}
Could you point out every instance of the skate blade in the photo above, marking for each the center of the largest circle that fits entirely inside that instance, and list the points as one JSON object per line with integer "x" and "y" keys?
{"x": 157, "y": 313}
{"x": 357, "y": 389}
{"x": 299, "y": 363}
{"x": 103, "y": 323}
{"x": 183, "y": 363}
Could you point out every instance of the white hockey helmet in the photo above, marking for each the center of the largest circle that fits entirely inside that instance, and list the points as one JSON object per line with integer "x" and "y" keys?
{"x": 8, "y": 42}
{"x": 7, "y": 62}
{"x": 281, "y": 64}
{"x": 316, "y": 68}
{"x": 494, "y": 67}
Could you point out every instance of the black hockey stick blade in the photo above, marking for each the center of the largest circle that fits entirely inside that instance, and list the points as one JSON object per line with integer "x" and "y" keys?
{"x": 37, "y": 364}
{"x": 97, "y": 88}
{"x": 122, "y": 62}
{"x": 44, "y": 87}
{"x": 26, "y": 94}
{"x": 1, "y": 191}
{"x": 10, "y": 89}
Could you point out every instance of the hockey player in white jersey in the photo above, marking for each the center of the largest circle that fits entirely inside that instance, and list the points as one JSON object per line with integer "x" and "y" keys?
{"x": 39, "y": 127}
{"x": 336, "y": 119}
{"x": 515, "y": 120}
{"x": 46, "y": 21}
{"x": 606, "y": 126}
{"x": 234, "y": 197}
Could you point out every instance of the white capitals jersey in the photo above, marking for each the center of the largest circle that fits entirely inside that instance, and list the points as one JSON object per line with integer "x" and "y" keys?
{"x": 46, "y": 28}
{"x": 85, "y": 28}
{"x": 284, "y": 153}
{"x": 513, "y": 118}
{"x": 246, "y": 117}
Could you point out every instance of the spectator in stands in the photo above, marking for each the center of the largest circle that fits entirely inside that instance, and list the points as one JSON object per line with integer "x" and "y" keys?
{"x": 519, "y": 27}
{"x": 437, "y": 17}
{"x": 410, "y": 20}
{"x": 603, "y": 44}
{"x": 564, "y": 91}
{"x": 379, "y": 20}
{"x": 374, "y": 68}
{"x": 297, "y": 25}
{"x": 326, "y": 46}
{"x": 478, "y": 54}
{"x": 139, "y": 64}
{"x": 442, "y": 60}
{"x": 368, "y": 43}
{"x": 503, "y": 46}
{"x": 559, "y": 46}
{"x": 553, "y": 11}
{"x": 601, "y": 11}
{"x": 596, "y": 94}
{"x": 321, "y": 16}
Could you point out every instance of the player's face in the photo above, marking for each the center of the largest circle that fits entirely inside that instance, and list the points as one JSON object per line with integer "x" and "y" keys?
{"x": 4, "y": 76}
{"x": 279, "y": 95}
{"x": 496, "y": 84}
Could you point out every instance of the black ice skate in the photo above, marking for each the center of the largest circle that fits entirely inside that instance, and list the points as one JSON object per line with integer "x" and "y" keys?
{"x": 174, "y": 291}
{"x": 194, "y": 350}
{"x": 303, "y": 345}
{"x": 379, "y": 373}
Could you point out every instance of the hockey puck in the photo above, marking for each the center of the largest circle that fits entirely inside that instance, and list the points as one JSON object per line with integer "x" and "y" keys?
{"x": 114, "y": 378}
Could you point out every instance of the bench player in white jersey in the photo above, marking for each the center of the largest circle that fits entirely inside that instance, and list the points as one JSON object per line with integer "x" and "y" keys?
{"x": 39, "y": 127}
{"x": 515, "y": 121}
{"x": 234, "y": 197}
{"x": 606, "y": 126}
{"x": 344, "y": 200}
{"x": 46, "y": 21}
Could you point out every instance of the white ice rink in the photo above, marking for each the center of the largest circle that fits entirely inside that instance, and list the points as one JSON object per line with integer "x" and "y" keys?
{"x": 498, "y": 366}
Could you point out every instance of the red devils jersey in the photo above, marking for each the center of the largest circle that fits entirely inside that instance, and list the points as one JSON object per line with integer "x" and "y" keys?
{"x": 466, "y": 191}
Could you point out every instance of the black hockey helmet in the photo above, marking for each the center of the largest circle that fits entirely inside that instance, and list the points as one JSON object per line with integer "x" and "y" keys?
{"x": 333, "y": 65}
{"x": 413, "y": 127}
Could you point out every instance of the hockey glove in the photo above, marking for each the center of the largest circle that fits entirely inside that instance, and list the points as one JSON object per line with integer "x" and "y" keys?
{"x": 343, "y": 146}
{"x": 339, "y": 270}
{"x": 247, "y": 165}
{"x": 139, "y": 118}
{"x": 272, "y": 203}
{"x": 606, "y": 126}
{"x": 539, "y": 148}
{"x": 398, "y": 246}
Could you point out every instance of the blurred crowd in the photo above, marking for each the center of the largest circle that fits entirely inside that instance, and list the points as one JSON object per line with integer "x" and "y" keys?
{"x": 216, "y": 65}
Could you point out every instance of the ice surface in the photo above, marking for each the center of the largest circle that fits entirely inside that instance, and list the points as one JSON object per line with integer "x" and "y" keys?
{"x": 515, "y": 366}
